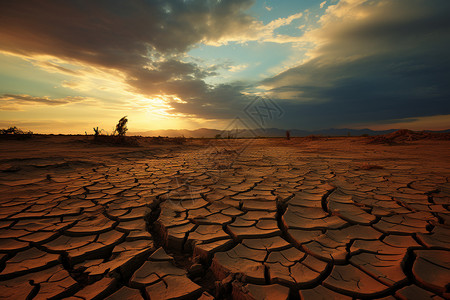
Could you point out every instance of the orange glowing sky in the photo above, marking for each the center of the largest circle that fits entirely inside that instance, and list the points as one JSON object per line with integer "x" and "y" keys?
{"x": 68, "y": 66}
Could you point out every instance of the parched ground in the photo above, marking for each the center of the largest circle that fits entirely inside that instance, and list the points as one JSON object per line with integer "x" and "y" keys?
{"x": 227, "y": 219}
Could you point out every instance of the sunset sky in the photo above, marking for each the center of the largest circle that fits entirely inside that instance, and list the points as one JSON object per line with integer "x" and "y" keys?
{"x": 67, "y": 66}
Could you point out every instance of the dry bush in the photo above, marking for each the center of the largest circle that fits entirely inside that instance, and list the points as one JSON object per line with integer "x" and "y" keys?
{"x": 121, "y": 127}
{"x": 15, "y": 133}
{"x": 117, "y": 138}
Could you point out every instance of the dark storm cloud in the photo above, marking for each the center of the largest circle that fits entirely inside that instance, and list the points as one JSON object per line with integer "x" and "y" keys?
{"x": 375, "y": 60}
{"x": 388, "y": 65}
{"x": 164, "y": 77}
{"x": 143, "y": 39}
{"x": 224, "y": 101}
{"x": 116, "y": 33}
{"x": 391, "y": 64}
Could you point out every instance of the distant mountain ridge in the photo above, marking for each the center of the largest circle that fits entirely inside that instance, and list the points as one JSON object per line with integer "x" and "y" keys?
{"x": 267, "y": 132}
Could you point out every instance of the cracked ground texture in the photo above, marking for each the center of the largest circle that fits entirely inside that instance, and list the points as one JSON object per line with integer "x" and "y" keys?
{"x": 299, "y": 219}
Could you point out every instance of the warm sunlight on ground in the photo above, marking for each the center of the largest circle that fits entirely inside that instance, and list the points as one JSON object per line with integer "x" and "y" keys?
{"x": 224, "y": 149}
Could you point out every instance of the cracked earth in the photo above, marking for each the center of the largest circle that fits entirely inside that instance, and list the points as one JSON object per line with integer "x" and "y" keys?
{"x": 282, "y": 219}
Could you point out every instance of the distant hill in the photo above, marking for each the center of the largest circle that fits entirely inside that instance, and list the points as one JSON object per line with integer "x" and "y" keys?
{"x": 268, "y": 132}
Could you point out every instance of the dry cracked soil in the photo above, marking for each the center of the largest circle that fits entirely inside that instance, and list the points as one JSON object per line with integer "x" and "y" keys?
{"x": 224, "y": 219}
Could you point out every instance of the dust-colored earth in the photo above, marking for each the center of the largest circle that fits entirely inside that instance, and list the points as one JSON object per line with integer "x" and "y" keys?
{"x": 335, "y": 218}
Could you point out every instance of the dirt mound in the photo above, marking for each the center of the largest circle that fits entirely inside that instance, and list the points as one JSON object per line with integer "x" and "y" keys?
{"x": 405, "y": 135}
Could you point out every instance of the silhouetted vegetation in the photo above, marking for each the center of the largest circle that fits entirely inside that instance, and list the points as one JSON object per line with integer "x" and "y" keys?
{"x": 121, "y": 127}
{"x": 96, "y": 131}
{"x": 118, "y": 138}
{"x": 15, "y": 133}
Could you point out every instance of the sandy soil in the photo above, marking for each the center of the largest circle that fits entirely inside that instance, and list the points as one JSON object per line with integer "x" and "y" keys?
{"x": 334, "y": 218}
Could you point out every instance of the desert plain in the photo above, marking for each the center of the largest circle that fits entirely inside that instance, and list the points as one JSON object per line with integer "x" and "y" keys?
{"x": 305, "y": 218}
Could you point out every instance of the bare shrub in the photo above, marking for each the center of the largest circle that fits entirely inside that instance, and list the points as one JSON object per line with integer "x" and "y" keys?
{"x": 121, "y": 127}
{"x": 15, "y": 133}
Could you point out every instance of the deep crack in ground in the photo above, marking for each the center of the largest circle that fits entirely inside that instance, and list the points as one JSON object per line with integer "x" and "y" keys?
{"x": 172, "y": 226}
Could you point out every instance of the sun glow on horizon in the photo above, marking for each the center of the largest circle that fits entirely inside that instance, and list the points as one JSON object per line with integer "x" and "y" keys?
{"x": 329, "y": 64}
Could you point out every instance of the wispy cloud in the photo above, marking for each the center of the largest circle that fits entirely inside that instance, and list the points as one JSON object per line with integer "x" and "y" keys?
{"x": 282, "y": 22}
{"x": 10, "y": 101}
{"x": 238, "y": 68}
{"x": 136, "y": 47}
{"x": 257, "y": 31}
